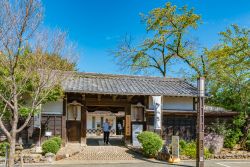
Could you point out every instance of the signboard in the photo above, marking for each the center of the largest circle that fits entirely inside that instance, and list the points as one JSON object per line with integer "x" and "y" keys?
{"x": 136, "y": 130}
{"x": 157, "y": 111}
{"x": 37, "y": 118}
{"x": 128, "y": 125}
{"x": 175, "y": 146}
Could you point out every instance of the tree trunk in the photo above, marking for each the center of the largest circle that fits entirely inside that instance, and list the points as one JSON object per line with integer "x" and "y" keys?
{"x": 12, "y": 151}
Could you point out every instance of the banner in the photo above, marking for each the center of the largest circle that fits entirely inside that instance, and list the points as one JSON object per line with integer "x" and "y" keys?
{"x": 37, "y": 117}
{"x": 157, "y": 112}
{"x": 128, "y": 125}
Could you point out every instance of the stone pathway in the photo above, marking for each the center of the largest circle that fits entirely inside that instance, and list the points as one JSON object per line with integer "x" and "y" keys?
{"x": 104, "y": 153}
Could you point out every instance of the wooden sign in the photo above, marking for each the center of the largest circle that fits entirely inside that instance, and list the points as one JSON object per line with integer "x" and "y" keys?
{"x": 128, "y": 125}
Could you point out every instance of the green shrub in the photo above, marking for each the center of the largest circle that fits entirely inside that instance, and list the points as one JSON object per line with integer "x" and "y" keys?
{"x": 248, "y": 145}
{"x": 3, "y": 148}
{"x": 189, "y": 149}
{"x": 50, "y": 146}
{"x": 58, "y": 140}
{"x": 232, "y": 137}
{"x": 151, "y": 143}
{"x": 218, "y": 127}
{"x": 234, "y": 131}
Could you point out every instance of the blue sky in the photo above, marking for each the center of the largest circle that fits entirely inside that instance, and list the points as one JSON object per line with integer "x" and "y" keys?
{"x": 98, "y": 25}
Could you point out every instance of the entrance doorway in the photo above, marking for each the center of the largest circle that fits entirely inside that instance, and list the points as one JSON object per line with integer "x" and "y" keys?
{"x": 95, "y": 120}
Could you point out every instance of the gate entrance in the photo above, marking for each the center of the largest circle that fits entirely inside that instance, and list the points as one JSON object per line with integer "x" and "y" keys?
{"x": 97, "y": 116}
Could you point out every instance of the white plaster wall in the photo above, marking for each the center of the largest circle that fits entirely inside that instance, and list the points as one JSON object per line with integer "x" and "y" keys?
{"x": 174, "y": 103}
{"x": 55, "y": 107}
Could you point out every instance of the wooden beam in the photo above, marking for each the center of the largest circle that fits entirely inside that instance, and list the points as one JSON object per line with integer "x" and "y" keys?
{"x": 65, "y": 104}
{"x": 130, "y": 98}
{"x": 99, "y": 97}
{"x": 64, "y": 134}
{"x": 114, "y": 97}
{"x": 110, "y": 103}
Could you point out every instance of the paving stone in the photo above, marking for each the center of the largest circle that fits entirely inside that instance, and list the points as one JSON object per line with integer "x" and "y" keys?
{"x": 105, "y": 153}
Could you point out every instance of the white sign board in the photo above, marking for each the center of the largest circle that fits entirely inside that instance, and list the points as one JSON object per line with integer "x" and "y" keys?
{"x": 157, "y": 110}
{"x": 175, "y": 146}
{"x": 136, "y": 130}
{"x": 37, "y": 118}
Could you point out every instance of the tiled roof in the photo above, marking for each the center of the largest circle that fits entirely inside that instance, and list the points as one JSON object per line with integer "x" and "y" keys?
{"x": 127, "y": 85}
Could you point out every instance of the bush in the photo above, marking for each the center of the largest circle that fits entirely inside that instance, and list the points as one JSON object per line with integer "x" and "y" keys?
{"x": 3, "y": 148}
{"x": 248, "y": 142}
{"x": 218, "y": 127}
{"x": 248, "y": 145}
{"x": 189, "y": 149}
{"x": 232, "y": 138}
{"x": 50, "y": 146}
{"x": 58, "y": 140}
{"x": 151, "y": 143}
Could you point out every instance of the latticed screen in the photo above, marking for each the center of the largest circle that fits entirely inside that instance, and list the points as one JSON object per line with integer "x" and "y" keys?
{"x": 183, "y": 126}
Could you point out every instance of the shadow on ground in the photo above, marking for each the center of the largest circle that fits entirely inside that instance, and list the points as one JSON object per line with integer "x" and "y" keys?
{"x": 98, "y": 141}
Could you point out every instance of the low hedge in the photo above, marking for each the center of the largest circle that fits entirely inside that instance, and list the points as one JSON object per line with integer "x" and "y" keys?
{"x": 189, "y": 149}
{"x": 58, "y": 140}
{"x": 151, "y": 143}
{"x": 50, "y": 146}
{"x": 248, "y": 145}
{"x": 3, "y": 148}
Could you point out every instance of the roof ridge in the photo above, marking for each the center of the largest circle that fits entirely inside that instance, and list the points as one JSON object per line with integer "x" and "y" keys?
{"x": 106, "y": 75}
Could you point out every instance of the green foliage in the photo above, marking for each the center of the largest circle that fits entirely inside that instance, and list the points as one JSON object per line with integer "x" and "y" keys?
{"x": 248, "y": 144}
{"x": 234, "y": 131}
{"x": 151, "y": 143}
{"x": 50, "y": 146}
{"x": 189, "y": 149}
{"x": 232, "y": 137}
{"x": 3, "y": 148}
{"x": 168, "y": 26}
{"x": 30, "y": 85}
{"x": 58, "y": 140}
{"x": 229, "y": 72}
{"x": 218, "y": 128}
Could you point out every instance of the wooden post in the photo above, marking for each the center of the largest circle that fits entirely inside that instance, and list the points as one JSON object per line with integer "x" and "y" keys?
{"x": 83, "y": 121}
{"x": 200, "y": 123}
{"x": 63, "y": 123}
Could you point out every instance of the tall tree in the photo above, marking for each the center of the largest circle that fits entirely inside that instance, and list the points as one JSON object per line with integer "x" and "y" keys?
{"x": 27, "y": 78}
{"x": 229, "y": 70}
{"x": 167, "y": 28}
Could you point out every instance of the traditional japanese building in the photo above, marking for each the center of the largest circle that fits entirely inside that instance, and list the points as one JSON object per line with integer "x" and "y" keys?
{"x": 91, "y": 98}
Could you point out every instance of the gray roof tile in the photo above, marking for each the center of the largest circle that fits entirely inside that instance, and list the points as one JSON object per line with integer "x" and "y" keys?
{"x": 127, "y": 85}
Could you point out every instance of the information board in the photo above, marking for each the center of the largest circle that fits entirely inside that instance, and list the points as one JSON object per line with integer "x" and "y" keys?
{"x": 136, "y": 130}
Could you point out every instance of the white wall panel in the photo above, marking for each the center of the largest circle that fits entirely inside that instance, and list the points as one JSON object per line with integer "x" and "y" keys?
{"x": 174, "y": 103}
{"x": 55, "y": 107}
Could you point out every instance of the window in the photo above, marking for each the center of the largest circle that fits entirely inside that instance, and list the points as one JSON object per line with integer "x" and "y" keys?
{"x": 74, "y": 113}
